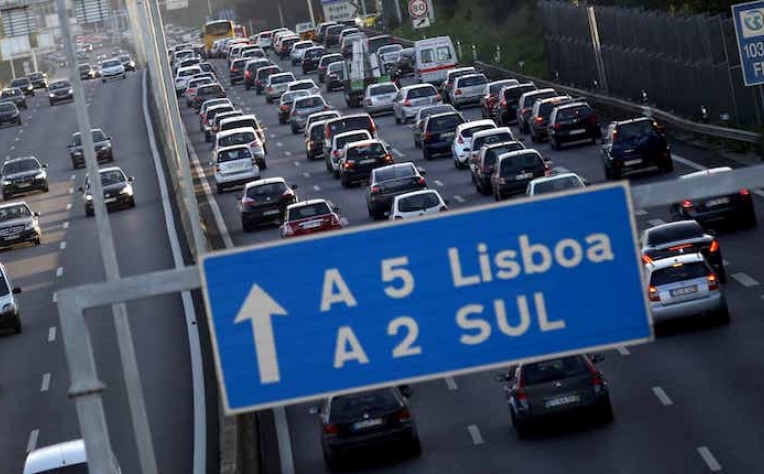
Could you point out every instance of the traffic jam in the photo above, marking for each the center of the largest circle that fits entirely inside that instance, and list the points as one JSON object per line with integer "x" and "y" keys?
{"x": 331, "y": 86}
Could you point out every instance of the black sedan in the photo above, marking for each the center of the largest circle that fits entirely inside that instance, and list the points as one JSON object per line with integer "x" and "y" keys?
{"x": 102, "y": 145}
{"x": 117, "y": 190}
{"x": 127, "y": 62}
{"x": 264, "y": 202}
{"x": 389, "y": 181}
{"x": 9, "y": 113}
{"x": 15, "y": 95}
{"x": 60, "y": 91}
{"x": 22, "y": 175}
{"x": 24, "y": 84}
{"x": 39, "y": 80}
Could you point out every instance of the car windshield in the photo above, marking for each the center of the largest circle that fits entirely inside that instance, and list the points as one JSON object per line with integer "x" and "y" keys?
{"x": 302, "y": 86}
{"x": 19, "y": 166}
{"x": 265, "y": 190}
{"x": 495, "y": 87}
{"x": 4, "y": 287}
{"x": 514, "y": 93}
{"x": 682, "y": 231}
{"x": 282, "y": 79}
{"x": 390, "y": 173}
{"x": 356, "y": 405}
{"x": 383, "y": 89}
{"x": 363, "y": 152}
{"x": 234, "y": 154}
{"x": 211, "y": 89}
{"x": 112, "y": 63}
{"x": 679, "y": 272}
{"x": 555, "y": 369}
{"x": 290, "y": 97}
{"x": 59, "y": 85}
{"x": 494, "y": 152}
{"x": 6, "y": 107}
{"x": 98, "y": 136}
{"x": 14, "y": 212}
{"x": 309, "y": 210}
{"x": 419, "y": 92}
{"x": 349, "y": 123}
{"x": 635, "y": 129}
{"x": 356, "y": 137}
{"x": 309, "y": 103}
{"x": 112, "y": 177}
{"x": 418, "y": 202}
{"x": 445, "y": 122}
{"x": 241, "y": 138}
{"x": 11, "y": 93}
{"x": 469, "y": 131}
{"x": 571, "y": 113}
{"x": 554, "y": 185}
{"x": 21, "y": 82}
{"x": 492, "y": 138}
{"x": 523, "y": 161}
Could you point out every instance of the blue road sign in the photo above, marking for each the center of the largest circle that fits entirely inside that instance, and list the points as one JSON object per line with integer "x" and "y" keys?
{"x": 418, "y": 299}
{"x": 749, "y": 29}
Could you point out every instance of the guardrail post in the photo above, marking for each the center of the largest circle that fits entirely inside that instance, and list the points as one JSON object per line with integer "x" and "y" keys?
{"x": 497, "y": 57}
{"x": 459, "y": 49}
{"x": 474, "y": 52}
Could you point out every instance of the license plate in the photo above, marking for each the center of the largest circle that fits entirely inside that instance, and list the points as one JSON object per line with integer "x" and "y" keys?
{"x": 109, "y": 200}
{"x": 633, "y": 162}
{"x": 367, "y": 162}
{"x": 577, "y": 132}
{"x": 684, "y": 291}
{"x": 24, "y": 185}
{"x": 367, "y": 423}
{"x": 236, "y": 167}
{"x": 270, "y": 213}
{"x": 523, "y": 176}
{"x": 717, "y": 202}
{"x": 559, "y": 401}
{"x": 311, "y": 225}
{"x": 9, "y": 237}
{"x": 448, "y": 135}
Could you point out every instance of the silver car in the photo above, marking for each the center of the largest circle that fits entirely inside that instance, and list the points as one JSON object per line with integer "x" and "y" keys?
{"x": 234, "y": 166}
{"x": 277, "y": 85}
{"x": 684, "y": 285}
{"x": 303, "y": 107}
{"x": 410, "y": 99}
{"x": 379, "y": 97}
{"x": 468, "y": 90}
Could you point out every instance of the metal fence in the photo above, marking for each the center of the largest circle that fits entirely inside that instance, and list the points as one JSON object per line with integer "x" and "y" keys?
{"x": 681, "y": 62}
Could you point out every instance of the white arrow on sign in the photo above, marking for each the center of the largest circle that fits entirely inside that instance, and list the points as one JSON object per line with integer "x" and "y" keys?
{"x": 258, "y": 308}
{"x": 423, "y": 22}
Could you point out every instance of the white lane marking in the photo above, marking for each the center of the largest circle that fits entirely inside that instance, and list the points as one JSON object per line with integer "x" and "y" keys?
{"x": 438, "y": 183}
{"x": 71, "y": 190}
{"x": 709, "y": 459}
{"x": 316, "y": 188}
{"x": 624, "y": 351}
{"x": 397, "y": 153}
{"x": 32, "y": 443}
{"x": 45, "y": 382}
{"x": 344, "y": 221}
{"x": 656, "y": 222}
{"x": 65, "y": 225}
{"x": 59, "y": 272}
{"x": 69, "y": 206}
{"x": 662, "y": 396}
{"x": 62, "y": 245}
{"x": 288, "y": 153}
{"x": 55, "y": 297}
{"x": 273, "y": 135}
{"x": 688, "y": 163}
{"x": 306, "y": 174}
{"x": 22, "y": 129}
{"x": 458, "y": 198}
{"x": 279, "y": 144}
{"x": 13, "y": 147}
{"x": 451, "y": 384}
{"x": 51, "y": 333}
{"x": 297, "y": 163}
{"x": 640, "y": 212}
{"x": 744, "y": 279}
{"x": 477, "y": 438}
{"x": 758, "y": 192}
{"x": 17, "y": 139}
{"x": 73, "y": 177}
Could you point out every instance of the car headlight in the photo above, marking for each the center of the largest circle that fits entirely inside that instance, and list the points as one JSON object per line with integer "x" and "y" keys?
{"x": 41, "y": 175}
{"x": 9, "y": 308}
{"x": 71, "y": 91}
{"x": 88, "y": 197}
{"x": 29, "y": 226}
{"x": 51, "y": 95}
{"x": 127, "y": 191}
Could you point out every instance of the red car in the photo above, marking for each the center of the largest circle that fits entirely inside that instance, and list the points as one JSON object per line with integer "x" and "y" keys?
{"x": 309, "y": 217}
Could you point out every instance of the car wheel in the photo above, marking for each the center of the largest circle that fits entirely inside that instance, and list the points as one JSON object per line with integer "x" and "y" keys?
{"x": 336, "y": 174}
{"x": 17, "y": 325}
{"x": 344, "y": 182}
{"x": 520, "y": 427}
{"x": 89, "y": 212}
{"x": 606, "y": 411}
{"x": 46, "y": 188}
{"x": 723, "y": 315}
{"x": 51, "y": 103}
{"x": 485, "y": 191}
{"x": 268, "y": 100}
{"x": 37, "y": 241}
{"x": 331, "y": 459}
{"x": 328, "y": 167}
{"x": 132, "y": 202}
{"x": 245, "y": 227}
{"x": 18, "y": 122}
{"x": 295, "y": 130}
{"x": 6, "y": 197}
{"x": 415, "y": 449}
{"x": 668, "y": 167}
{"x": 207, "y": 136}
{"x": 397, "y": 120}
{"x": 426, "y": 154}
{"x": 553, "y": 144}
{"x": 533, "y": 138}
{"x": 247, "y": 87}
{"x": 750, "y": 220}
{"x": 220, "y": 189}
{"x": 721, "y": 272}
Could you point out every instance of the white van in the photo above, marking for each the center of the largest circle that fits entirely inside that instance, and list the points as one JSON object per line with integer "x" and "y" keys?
{"x": 434, "y": 56}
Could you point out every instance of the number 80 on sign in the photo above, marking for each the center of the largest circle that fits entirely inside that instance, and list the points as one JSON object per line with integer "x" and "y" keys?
{"x": 417, "y": 8}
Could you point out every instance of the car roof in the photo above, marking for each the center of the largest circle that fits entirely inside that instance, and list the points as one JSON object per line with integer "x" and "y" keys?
{"x": 312, "y": 96}
{"x": 233, "y": 147}
{"x": 546, "y": 179}
{"x": 471, "y": 75}
{"x": 417, "y": 86}
{"x": 633, "y": 120}
{"x": 662, "y": 263}
{"x": 110, "y": 168}
{"x": 307, "y": 202}
{"x": 455, "y": 70}
{"x": 351, "y": 132}
{"x": 668, "y": 227}
{"x": 571, "y": 105}
{"x": 418, "y": 192}
{"x": 55, "y": 456}
{"x": 474, "y": 123}
{"x": 13, "y": 204}
{"x": 491, "y": 131}
{"x": 235, "y": 131}
{"x": 362, "y": 143}
{"x": 241, "y": 117}
{"x": 708, "y": 172}
{"x": 92, "y": 130}
{"x": 512, "y": 154}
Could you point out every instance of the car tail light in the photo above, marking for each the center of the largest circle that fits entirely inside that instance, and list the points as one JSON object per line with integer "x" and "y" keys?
{"x": 539, "y": 120}
{"x": 652, "y": 293}
{"x": 217, "y": 168}
{"x": 289, "y": 230}
{"x": 687, "y": 204}
{"x": 443, "y": 209}
{"x": 311, "y": 143}
{"x": 330, "y": 428}
{"x": 248, "y": 74}
{"x": 557, "y": 126}
{"x": 597, "y": 382}
{"x": 372, "y": 127}
{"x": 615, "y": 136}
{"x": 285, "y": 108}
{"x": 520, "y": 388}
{"x": 388, "y": 159}
{"x": 288, "y": 193}
{"x": 745, "y": 193}
{"x": 403, "y": 415}
{"x": 348, "y": 164}
{"x": 593, "y": 119}
{"x": 248, "y": 202}
{"x": 714, "y": 246}
{"x": 294, "y": 113}
{"x": 336, "y": 153}
{"x": 525, "y": 110}
{"x": 438, "y": 98}
{"x": 374, "y": 189}
{"x": 646, "y": 259}
{"x": 335, "y": 221}
{"x": 427, "y": 135}
{"x": 680, "y": 247}
{"x": 270, "y": 89}
{"x": 503, "y": 102}
{"x": 368, "y": 102}
{"x": 407, "y": 103}
{"x": 234, "y": 69}
{"x": 421, "y": 181}
{"x": 458, "y": 92}
{"x": 502, "y": 181}
{"x": 713, "y": 282}
{"x": 460, "y": 140}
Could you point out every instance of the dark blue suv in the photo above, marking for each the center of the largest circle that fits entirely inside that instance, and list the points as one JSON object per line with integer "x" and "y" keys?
{"x": 438, "y": 133}
{"x": 635, "y": 144}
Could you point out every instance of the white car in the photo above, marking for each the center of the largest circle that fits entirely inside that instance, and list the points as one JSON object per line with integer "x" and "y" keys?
{"x": 417, "y": 203}
{"x": 486, "y": 137}
{"x": 183, "y": 76}
{"x": 298, "y": 49}
{"x": 555, "y": 184}
{"x": 410, "y": 99}
{"x": 303, "y": 85}
{"x": 234, "y": 166}
{"x": 246, "y": 136}
{"x": 379, "y": 97}
{"x": 460, "y": 148}
{"x": 113, "y": 69}
{"x": 8, "y": 302}
{"x": 339, "y": 141}
{"x": 468, "y": 89}
{"x": 67, "y": 457}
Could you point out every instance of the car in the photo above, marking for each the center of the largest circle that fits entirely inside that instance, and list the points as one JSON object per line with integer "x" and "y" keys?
{"x": 285, "y": 45}
{"x": 324, "y": 62}
{"x": 86, "y": 72}
{"x": 490, "y": 98}
{"x": 302, "y": 107}
{"x": 360, "y": 420}
{"x": 193, "y": 87}
{"x": 252, "y": 52}
{"x": 450, "y": 77}
{"x": 10, "y": 314}
{"x": 261, "y": 77}
{"x": 487, "y": 137}
{"x": 9, "y": 113}
{"x": 182, "y": 77}
{"x": 335, "y": 76}
{"x": 311, "y": 58}
{"x": 25, "y": 84}
{"x": 481, "y": 168}
{"x": 219, "y": 117}
{"x": 332, "y": 35}
{"x": 285, "y": 104}
{"x": 19, "y": 225}
{"x": 208, "y": 104}
{"x": 462, "y": 142}
{"x": 438, "y": 133}
{"x": 333, "y": 152}
{"x": 420, "y": 117}
{"x": 314, "y": 140}
{"x": 374, "y": 43}
{"x": 207, "y": 92}
{"x": 303, "y": 85}
{"x": 525, "y": 106}
{"x": 15, "y": 96}
{"x": 509, "y": 99}
{"x": 265, "y": 202}
{"x": 246, "y": 136}
{"x": 276, "y": 85}
{"x": 39, "y": 79}
{"x": 539, "y": 119}
{"x": 404, "y": 64}
{"x": 736, "y": 208}
{"x": 359, "y": 158}
{"x": 244, "y": 121}
{"x": 468, "y": 90}
{"x": 209, "y": 119}
{"x": 112, "y": 69}
{"x": 417, "y": 203}
{"x": 386, "y": 56}
{"x": 389, "y": 181}
{"x": 572, "y": 122}
{"x": 234, "y": 166}
{"x": 514, "y": 170}
{"x": 321, "y": 30}
{"x": 635, "y": 144}
{"x": 59, "y": 91}
{"x": 236, "y": 71}
{"x": 298, "y": 49}
{"x": 69, "y": 457}
{"x": 379, "y": 97}
{"x": 552, "y": 388}
{"x": 127, "y": 62}
{"x": 310, "y": 217}
{"x": 411, "y": 98}
{"x": 347, "y": 123}
{"x": 22, "y": 175}
{"x": 682, "y": 237}
{"x": 207, "y": 67}
{"x": 323, "y": 116}
{"x": 118, "y": 190}
{"x": 250, "y": 71}
{"x": 555, "y": 184}
{"x": 102, "y": 143}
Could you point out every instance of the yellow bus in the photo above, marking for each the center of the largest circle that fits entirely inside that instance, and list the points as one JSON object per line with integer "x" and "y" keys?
{"x": 216, "y": 30}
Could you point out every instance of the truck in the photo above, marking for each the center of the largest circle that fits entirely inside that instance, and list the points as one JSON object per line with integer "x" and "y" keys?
{"x": 359, "y": 72}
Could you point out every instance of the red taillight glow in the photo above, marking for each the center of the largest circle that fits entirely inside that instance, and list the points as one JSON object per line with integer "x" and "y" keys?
{"x": 331, "y": 429}
{"x": 745, "y": 192}
{"x": 593, "y": 119}
{"x": 714, "y": 246}
{"x": 652, "y": 293}
{"x": 374, "y": 189}
{"x": 539, "y": 119}
{"x": 687, "y": 204}
{"x": 248, "y": 74}
{"x": 336, "y": 153}
{"x": 407, "y": 103}
{"x": 458, "y": 92}
{"x": 596, "y": 376}
{"x": 421, "y": 181}
{"x": 713, "y": 282}
{"x": 234, "y": 69}
{"x": 348, "y": 164}
{"x": 680, "y": 247}
{"x": 285, "y": 108}
{"x": 646, "y": 259}
{"x": 248, "y": 202}
{"x": 403, "y": 415}
{"x": 520, "y": 388}
{"x": 557, "y": 126}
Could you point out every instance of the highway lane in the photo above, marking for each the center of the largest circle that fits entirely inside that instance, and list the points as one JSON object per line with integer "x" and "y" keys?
{"x": 709, "y": 377}
{"x": 35, "y": 407}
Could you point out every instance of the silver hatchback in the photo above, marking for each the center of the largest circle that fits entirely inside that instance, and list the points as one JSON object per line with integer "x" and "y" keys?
{"x": 277, "y": 85}
{"x": 379, "y": 98}
{"x": 468, "y": 89}
{"x": 410, "y": 99}
{"x": 303, "y": 107}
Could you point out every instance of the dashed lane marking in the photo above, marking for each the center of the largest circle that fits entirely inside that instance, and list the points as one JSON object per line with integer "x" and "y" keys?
{"x": 689, "y": 163}
{"x": 656, "y": 222}
{"x": 662, "y": 396}
{"x": 273, "y": 135}
{"x": 69, "y": 206}
{"x": 709, "y": 459}
{"x": 458, "y": 198}
{"x": 51, "y": 333}
{"x": 13, "y": 147}
{"x": 477, "y": 438}
{"x": 71, "y": 190}
{"x": 640, "y": 212}
{"x": 32, "y": 443}
{"x": 397, "y": 153}
{"x": 316, "y": 188}
{"x": 45, "y": 385}
{"x": 17, "y": 139}
{"x": 55, "y": 297}
{"x": 65, "y": 225}
{"x": 744, "y": 279}
{"x": 288, "y": 153}
{"x": 279, "y": 144}
{"x": 297, "y": 163}
{"x": 451, "y": 384}
{"x": 59, "y": 272}
{"x": 62, "y": 245}
{"x": 73, "y": 177}
{"x": 306, "y": 175}
{"x": 623, "y": 350}
{"x": 438, "y": 183}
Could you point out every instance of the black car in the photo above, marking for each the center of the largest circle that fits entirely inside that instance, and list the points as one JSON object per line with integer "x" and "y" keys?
{"x": 361, "y": 158}
{"x": 286, "y": 102}
{"x": 633, "y": 145}
{"x": 250, "y": 71}
{"x": 389, "y": 181}
{"x": 265, "y": 201}
{"x": 102, "y": 145}
{"x": 60, "y": 91}
{"x": 557, "y": 387}
{"x": 117, "y": 190}
{"x": 332, "y": 37}
{"x": 571, "y": 123}
{"x": 438, "y": 133}
{"x": 482, "y": 168}
{"x": 367, "y": 419}
{"x": 18, "y": 225}
{"x": 24, "y": 174}
{"x": 14, "y": 95}
{"x": 261, "y": 77}
{"x": 207, "y": 92}
{"x": 509, "y": 98}
{"x": 39, "y": 80}
{"x": 24, "y": 84}
{"x": 314, "y": 140}
{"x": 736, "y": 208}
{"x": 311, "y": 58}
{"x": 86, "y": 72}
{"x": 514, "y": 170}
{"x": 9, "y": 113}
{"x": 324, "y": 62}
{"x": 236, "y": 71}
{"x": 683, "y": 237}
{"x": 127, "y": 62}
{"x": 539, "y": 119}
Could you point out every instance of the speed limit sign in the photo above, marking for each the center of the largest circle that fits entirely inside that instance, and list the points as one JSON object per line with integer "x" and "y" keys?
{"x": 417, "y": 8}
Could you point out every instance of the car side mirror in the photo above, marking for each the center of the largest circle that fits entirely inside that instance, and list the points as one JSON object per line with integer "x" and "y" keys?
{"x": 597, "y": 358}
{"x": 81, "y": 189}
{"x": 36, "y": 214}
{"x": 447, "y": 201}
{"x": 314, "y": 410}
{"x": 16, "y": 290}
{"x": 293, "y": 187}
{"x": 131, "y": 179}
{"x": 45, "y": 165}
{"x": 712, "y": 232}
{"x": 336, "y": 209}
{"x": 421, "y": 170}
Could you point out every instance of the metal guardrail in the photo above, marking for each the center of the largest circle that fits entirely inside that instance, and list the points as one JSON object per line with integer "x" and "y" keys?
{"x": 665, "y": 117}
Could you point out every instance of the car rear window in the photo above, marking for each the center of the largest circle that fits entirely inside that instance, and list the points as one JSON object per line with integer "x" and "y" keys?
{"x": 303, "y": 86}
{"x": 364, "y": 152}
{"x": 20, "y": 82}
{"x": 356, "y": 137}
{"x": 236, "y": 139}
{"x": 309, "y": 103}
{"x": 309, "y": 210}
{"x": 393, "y": 172}
{"x": 265, "y": 190}
{"x": 681, "y": 231}
{"x": 234, "y": 154}
{"x": 255, "y": 65}
{"x": 282, "y": 79}
{"x": 419, "y": 92}
{"x": 243, "y": 123}
{"x": 212, "y": 113}
{"x": 59, "y": 85}
{"x": 532, "y": 98}
{"x": 383, "y": 89}
{"x": 571, "y": 113}
{"x": 679, "y": 272}
{"x": 555, "y": 369}
{"x": 494, "y": 152}
{"x": 356, "y": 405}
{"x": 330, "y": 58}
{"x": 317, "y": 132}
{"x": 349, "y": 123}
{"x": 524, "y": 161}
{"x": 636, "y": 129}
{"x": 469, "y": 131}
{"x": 446, "y": 122}
{"x": 471, "y": 81}
{"x": 495, "y": 87}
{"x": 267, "y": 71}
{"x": 98, "y": 136}
{"x": 545, "y": 108}
{"x": 418, "y": 202}
{"x": 493, "y": 138}
{"x": 555, "y": 185}
{"x": 514, "y": 92}
{"x": 210, "y": 89}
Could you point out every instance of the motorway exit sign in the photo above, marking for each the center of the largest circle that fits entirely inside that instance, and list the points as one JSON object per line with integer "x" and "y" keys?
{"x": 749, "y": 30}
{"x": 414, "y": 300}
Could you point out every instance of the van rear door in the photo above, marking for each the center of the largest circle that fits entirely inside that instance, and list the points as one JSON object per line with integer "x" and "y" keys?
{"x": 433, "y": 58}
